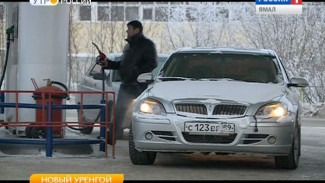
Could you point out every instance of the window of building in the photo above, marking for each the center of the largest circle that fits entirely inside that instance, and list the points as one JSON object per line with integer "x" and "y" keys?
{"x": 144, "y": 3}
{"x": 132, "y": 13}
{"x": 161, "y": 14}
{"x": 147, "y": 13}
{"x": 2, "y": 10}
{"x": 117, "y": 13}
{"x": 85, "y": 13}
{"x": 103, "y": 13}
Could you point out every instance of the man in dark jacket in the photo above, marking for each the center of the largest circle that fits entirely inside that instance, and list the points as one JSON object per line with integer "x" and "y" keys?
{"x": 139, "y": 56}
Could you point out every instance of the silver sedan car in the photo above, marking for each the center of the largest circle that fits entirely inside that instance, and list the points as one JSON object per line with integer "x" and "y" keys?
{"x": 221, "y": 100}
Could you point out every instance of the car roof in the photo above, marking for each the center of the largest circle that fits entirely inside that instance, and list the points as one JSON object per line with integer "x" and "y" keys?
{"x": 120, "y": 54}
{"x": 226, "y": 50}
{"x": 116, "y": 56}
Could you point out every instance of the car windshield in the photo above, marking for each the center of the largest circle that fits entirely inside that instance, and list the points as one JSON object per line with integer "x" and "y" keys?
{"x": 216, "y": 66}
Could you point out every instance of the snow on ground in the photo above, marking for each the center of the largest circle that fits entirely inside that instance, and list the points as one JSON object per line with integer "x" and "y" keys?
{"x": 29, "y": 150}
{"x": 58, "y": 151}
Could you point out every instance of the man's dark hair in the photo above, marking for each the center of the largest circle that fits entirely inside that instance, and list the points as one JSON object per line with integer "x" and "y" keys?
{"x": 136, "y": 24}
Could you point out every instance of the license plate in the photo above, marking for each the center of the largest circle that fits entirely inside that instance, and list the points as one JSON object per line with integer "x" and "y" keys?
{"x": 209, "y": 127}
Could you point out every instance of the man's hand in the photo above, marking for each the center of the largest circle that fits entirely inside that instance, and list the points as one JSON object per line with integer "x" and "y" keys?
{"x": 104, "y": 63}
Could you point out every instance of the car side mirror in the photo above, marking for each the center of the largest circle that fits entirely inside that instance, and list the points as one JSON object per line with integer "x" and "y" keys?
{"x": 145, "y": 78}
{"x": 298, "y": 82}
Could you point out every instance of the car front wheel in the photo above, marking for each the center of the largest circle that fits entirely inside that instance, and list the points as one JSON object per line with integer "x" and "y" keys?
{"x": 290, "y": 161}
{"x": 137, "y": 157}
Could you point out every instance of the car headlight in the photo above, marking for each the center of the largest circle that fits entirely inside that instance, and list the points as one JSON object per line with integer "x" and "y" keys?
{"x": 150, "y": 106}
{"x": 274, "y": 110}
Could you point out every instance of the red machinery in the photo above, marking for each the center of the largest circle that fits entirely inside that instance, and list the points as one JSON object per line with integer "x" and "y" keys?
{"x": 33, "y": 131}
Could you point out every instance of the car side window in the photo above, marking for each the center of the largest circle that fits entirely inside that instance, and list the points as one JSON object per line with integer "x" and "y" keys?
{"x": 96, "y": 69}
{"x": 116, "y": 74}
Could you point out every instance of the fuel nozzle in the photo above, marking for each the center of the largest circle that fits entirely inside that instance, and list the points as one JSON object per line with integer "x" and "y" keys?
{"x": 10, "y": 31}
{"x": 101, "y": 55}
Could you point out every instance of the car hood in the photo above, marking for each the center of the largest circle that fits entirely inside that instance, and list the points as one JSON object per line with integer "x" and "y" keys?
{"x": 238, "y": 91}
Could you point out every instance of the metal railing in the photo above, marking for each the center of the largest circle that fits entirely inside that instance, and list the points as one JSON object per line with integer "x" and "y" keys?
{"x": 47, "y": 108}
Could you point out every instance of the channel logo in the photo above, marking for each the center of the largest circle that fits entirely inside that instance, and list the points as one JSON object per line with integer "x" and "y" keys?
{"x": 278, "y": 6}
{"x": 79, "y": 178}
{"x": 55, "y": 2}
{"x": 43, "y": 2}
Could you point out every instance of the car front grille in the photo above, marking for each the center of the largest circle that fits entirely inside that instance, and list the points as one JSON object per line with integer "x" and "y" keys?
{"x": 220, "y": 109}
{"x": 224, "y": 109}
{"x": 212, "y": 139}
{"x": 192, "y": 108}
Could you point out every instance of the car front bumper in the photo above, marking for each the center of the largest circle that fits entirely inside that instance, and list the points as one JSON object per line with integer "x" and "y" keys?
{"x": 168, "y": 136}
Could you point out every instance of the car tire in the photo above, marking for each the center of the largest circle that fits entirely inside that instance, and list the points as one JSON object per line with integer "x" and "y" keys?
{"x": 137, "y": 157}
{"x": 84, "y": 129}
{"x": 28, "y": 131}
{"x": 291, "y": 161}
{"x": 87, "y": 130}
{"x": 38, "y": 132}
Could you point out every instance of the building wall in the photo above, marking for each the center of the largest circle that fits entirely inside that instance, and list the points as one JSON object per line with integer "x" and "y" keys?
{"x": 170, "y": 25}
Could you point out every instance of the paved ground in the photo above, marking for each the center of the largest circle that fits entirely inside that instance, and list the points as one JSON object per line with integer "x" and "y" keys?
{"x": 26, "y": 160}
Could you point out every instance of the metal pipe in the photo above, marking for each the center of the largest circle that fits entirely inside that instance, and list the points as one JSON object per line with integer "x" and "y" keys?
{"x": 102, "y": 129}
{"x": 49, "y": 135}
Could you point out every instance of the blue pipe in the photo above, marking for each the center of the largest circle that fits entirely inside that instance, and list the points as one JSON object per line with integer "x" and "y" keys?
{"x": 2, "y": 100}
{"x": 40, "y": 106}
{"x": 90, "y": 106}
{"x": 22, "y": 105}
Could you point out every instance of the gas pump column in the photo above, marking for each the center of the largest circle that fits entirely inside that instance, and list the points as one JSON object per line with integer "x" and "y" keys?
{"x": 43, "y": 35}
